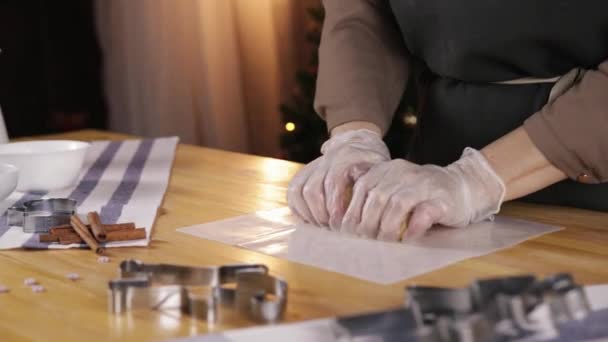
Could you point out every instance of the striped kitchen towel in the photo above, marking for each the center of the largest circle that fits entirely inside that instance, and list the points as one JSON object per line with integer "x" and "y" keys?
{"x": 124, "y": 181}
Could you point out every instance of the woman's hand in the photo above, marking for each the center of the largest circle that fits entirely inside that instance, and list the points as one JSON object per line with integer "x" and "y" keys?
{"x": 319, "y": 193}
{"x": 461, "y": 193}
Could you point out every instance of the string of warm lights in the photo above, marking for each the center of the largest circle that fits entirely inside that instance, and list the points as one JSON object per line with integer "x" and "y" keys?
{"x": 408, "y": 120}
{"x": 290, "y": 127}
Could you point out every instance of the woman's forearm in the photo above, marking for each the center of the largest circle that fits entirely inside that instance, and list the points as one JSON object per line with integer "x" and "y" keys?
{"x": 521, "y": 166}
{"x": 514, "y": 157}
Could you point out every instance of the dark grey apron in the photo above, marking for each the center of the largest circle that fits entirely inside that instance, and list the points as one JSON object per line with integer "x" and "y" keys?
{"x": 469, "y": 45}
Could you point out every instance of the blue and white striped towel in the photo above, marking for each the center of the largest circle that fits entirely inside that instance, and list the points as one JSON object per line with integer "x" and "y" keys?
{"x": 124, "y": 181}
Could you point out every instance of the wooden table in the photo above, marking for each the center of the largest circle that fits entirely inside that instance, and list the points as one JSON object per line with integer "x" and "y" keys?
{"x": 208, "y": 185}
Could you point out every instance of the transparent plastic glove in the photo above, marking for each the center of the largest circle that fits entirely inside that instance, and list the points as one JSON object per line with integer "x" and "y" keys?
{"x": 320, "y": 192}
{"x": 399, "y": 200}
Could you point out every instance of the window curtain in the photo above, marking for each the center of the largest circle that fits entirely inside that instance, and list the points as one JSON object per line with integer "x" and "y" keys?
{"x": 210, "y": 71}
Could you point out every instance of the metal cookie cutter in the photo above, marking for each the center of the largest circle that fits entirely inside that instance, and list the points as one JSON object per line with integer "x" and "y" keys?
{"x": 446, "y": 314}
{"x": 567, "y": 300}
{"x": 39, "y": 216}
{"x": 495, "y": 309}
{"x": 201, "y": 292}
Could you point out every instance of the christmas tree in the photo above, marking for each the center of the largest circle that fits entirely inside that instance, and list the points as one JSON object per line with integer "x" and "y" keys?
{"x": 305, "y": 131}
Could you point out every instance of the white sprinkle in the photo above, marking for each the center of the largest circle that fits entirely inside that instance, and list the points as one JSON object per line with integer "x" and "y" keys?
{"x": 30, "y": 281}
{"x": 103, "y": 259}
{"x": 38, "y": 288}
{"x": 72, "y": 276}
{"x": 4, "y": 289}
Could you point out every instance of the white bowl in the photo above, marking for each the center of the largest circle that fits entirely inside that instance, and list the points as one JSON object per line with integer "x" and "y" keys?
{"x": 45, "y": 165}
{"x": 9, "y": 176}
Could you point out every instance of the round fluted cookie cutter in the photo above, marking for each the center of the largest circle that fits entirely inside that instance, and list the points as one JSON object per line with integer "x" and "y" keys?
{"x": 38, "y": 216}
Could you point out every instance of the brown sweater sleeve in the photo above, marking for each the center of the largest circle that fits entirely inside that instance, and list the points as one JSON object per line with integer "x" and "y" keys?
{"x": 572, "y": 131}
{"x": 362, "y": 63}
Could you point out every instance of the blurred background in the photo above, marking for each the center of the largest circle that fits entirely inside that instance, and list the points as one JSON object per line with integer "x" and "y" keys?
{"x": 237, "y": 75}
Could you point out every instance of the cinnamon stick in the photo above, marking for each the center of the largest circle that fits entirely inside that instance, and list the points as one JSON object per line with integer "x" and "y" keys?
{"x": 119, "y": 226}
{"x": 65, "y": 229}
{"x": 67, "y": 225}
{"x": 48, "y": 238}
{"x": 96, "y": 226}
{"x": 84, "y": 233}
{"x": 128, "y": 234}
{"x": 68, "y": 239}
{"x": 60, "y": 230}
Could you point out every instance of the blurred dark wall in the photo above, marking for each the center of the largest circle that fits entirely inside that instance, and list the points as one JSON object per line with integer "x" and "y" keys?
{"x": 50, "y": 67}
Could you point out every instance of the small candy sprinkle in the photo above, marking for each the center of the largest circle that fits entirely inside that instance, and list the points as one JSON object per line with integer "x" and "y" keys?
{"x": 30, "y": 281}
{"x": 72, "y": 276}
{"x": 4, "y": 289}
{"x": 38, "y": 288}
{"x": 103, "y": 259}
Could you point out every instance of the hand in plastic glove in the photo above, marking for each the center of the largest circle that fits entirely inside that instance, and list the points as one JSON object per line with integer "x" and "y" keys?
{"x": 319, "y": 193}
{"x": 464, "y": 192}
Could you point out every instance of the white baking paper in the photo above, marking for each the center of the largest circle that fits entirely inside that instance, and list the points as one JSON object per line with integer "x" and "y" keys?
{"x": 278, "y": 233}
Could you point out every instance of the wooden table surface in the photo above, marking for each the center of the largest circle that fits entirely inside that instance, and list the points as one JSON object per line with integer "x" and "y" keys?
{"x": 208, "y": 185}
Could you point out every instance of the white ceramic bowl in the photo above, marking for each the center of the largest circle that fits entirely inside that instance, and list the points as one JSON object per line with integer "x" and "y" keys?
{"x": 9, "y": 176}
{"x": 46, "y": 164}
